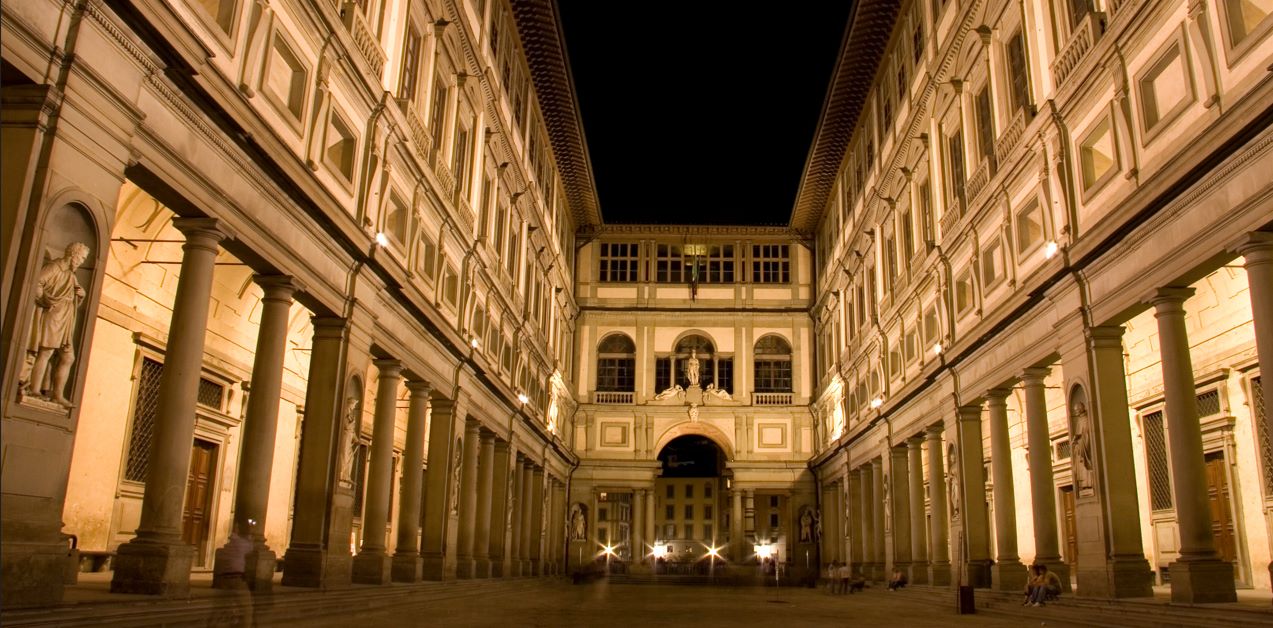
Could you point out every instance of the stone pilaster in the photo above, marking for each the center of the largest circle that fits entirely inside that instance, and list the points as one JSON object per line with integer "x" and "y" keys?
{"x": 441, "y": 506}
{"x": 939, "y": 571}
{"x": 157, "y": 561}
{"x": 485, "y": 479}
{"x": 372, "y": 564}
{"x": 501, "y": 507}
{"x": 1007, "y": 574}
{"x": 1047, "y": 548}
{"x": 1199, "y": 575}
{"x": 407, "y": 564}
{"x": 466, "y": 565}
{"x": 252, "y": 490}
{"x": 915, "y": 493}
{"x": 1257, "y": 258}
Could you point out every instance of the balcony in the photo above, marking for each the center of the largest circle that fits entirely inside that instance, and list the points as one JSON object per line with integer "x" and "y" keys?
{"x": 1011, "y": 135}
{"x": 364, "y": 39}
{"x": 613, "y": 397}
{"x": 419, "y": 132}
{"x": 772, "y": 398}
{"x": 1081, "y": 40}
{"x": 978, "y": 182}
{"x": 444, "y": 176}
{"x": 949, "y": 219}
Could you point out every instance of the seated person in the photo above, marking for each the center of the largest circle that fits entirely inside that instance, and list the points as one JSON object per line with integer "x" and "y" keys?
{"x": 1042, "y": 586}
{"x": 897, "y": 580}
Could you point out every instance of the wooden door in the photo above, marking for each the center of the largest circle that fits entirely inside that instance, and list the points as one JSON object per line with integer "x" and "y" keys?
{"x": 197, "y": 513}
{"x": 1071, "y": 529}
{"x": 1221, "y": 514}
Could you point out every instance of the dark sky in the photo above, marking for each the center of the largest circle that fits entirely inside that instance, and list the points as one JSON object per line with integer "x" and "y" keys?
{"x": 700, "y": 112}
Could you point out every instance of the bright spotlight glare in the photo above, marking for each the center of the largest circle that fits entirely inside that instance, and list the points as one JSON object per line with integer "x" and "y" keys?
{"x": 382, "y": 240}
{"x": 473, "y": 342}
{"x": 660, "y": 550}
{"x": 522, "y": 397}
{"x": 713, "y": 552}
{"x": 1050, "y": 249}
{"x": 937, "y": 349}
{"x": 877, "y": 402}
{"x": 764, "y": 551}
{"x": 609, "y": 549}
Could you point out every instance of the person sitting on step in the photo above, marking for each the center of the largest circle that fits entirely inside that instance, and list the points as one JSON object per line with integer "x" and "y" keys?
{"x": 1042, "y": 586}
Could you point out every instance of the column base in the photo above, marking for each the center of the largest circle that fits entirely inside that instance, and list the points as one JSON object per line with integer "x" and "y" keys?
{"x": 939, "y": 574}
{"x": 1009, "y": 576}
{"x": 918, "y": 573}
{"x": 34, "y": 574}
{"x": 536, "y": 567}
{"x": 483, "y": 568}
{"x": 258, "y": 569}
{"x": 372, "y": 568}
{"x": 153, "y": 568}
{"x": 406, "y": 568}
{"x": 499, "y": 568}
{"x": 466, "y": 567}
{"x": 979, "y": 574}
{"x": 1202, "y": 581}
{"x": 435, "y": 568}
{"x": 1123, "y": 578}
{"x": 316, "y": 568}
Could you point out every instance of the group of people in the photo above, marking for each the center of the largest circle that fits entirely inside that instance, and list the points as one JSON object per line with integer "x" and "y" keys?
{"x": 1043, "y": 585}
{"x": 840, "y": 579}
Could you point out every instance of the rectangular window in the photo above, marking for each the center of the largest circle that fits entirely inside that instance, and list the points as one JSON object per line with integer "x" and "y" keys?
{"x": 773, "y": 375}
{"x": 1018, "y": 73}
{"x": 707, "y": 492}
{"x": 662, "y": 374}
{"x": 669, "y": 512}
{"x": 398, "y": 222}
{"x": 437, "y": 112}
{"x": 497, "y": 234}
{"x": 932, "y": 330}
{"x": 985, "y": 128}
{"x": 1029, "y": 226}
{"x": 619, "y": 261}
{"x": 770, "y": 264}
{"x": 616, "y": 374}
{"x": 1097, "y": 155}
{"x": 707, "y": 511}
{"x": 145, "y": 409}
{"x": 460, "y": 162}
{"x": 427, "y": 258}
{"x": 955, "y": 172}
{"x": 720, "y": 263}
{"x": 1156, "y": 459}
{"x": 451, "y": 286}
{"x": 707, "y": 532}
{"x": 926, "y": 214}
{"x": 671, "y": 494}
{"x": 908, "y": 236}
{"x": 963, "y": 293}
{"x": 689, "y": 491}
{"x": 410, "y": 63}
{"x": 890, "y": 263}
{"x": 1165, "y": 88}
{"x": 1246, "y": 17}
{"x": 284, "y": 78}
{"x": 222, "y": 13}
{"x": 669, "y": 265}
{"x": 689, "y": 512}
{"x": 339, "y": 153}
{"x": 992, "y": 263}
{"x": 513, "y": 259}
{"x": 917, "y": 33}
{"x": 724, "y": 378}
{"x": 773, "y": 521}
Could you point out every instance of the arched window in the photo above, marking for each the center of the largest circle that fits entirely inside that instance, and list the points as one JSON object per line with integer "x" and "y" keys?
{"x": 773, "y": 365}
{"x": 616, "y": 364}
{"x": 714, "y": 369}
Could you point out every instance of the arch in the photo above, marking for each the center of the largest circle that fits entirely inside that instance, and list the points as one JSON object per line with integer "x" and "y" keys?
{"x": 772, "y": 344}
{"x": 676, "y": 343}
{"x": 616, "y": 342}
{"x": 695, "y": 428}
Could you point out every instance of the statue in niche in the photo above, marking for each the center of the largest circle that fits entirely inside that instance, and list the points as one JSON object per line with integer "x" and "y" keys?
{"x": 719, "y": 393}
{"x": 511, "y": 501}
{"x": 351, "y": 442}
{"x": 578, "y": 523}
{"x": 455, "y": 475}
{"x": 691, "y": 368}
{"x": 952, "y": 474}
{"x": 670, "y": 393}
{"x": 1081, "y": 444}
{"x": 806, "y": 525}
{"x": 58, "y": 296}
{"x": 817, "y": 525}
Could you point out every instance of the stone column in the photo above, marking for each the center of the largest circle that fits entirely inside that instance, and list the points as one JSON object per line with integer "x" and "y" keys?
{"x": 1257, "y": 258}
{"x": 857, "y": 523}
{"x": 157, "y": 561}
{"x": 407, "y": 563}
{"x": 252, "y": 490}
{"x": 1007, "y": 574}
{"x": 372, "y": 565}
{"x": 915, "y": 494}
{"x": 650, "y": 532}
{"x": 485, "y": 479}
{"x": 466, "y": 565}
{"x": 515, "y": 518}
{"x": 939, "y": 572}
{"x": 441, "y": 504}
{"x": 749, "y": 520}
{"x": 1047, "y": 549}
{"x": 880, "y": 555}
{"x": 899, "y": 490}
{"x": 1199, "y": 575}
{"x": 866, "y": 503}
{"x": 972, "y": 474}
{"x": 638, "y": 520}
{"x": 736, "y": 538}
{"x": 528, "y": 512}
{"x": 318, "y": 552}
{"x": 537, "y": 522}
{"x": 501, "y": 506}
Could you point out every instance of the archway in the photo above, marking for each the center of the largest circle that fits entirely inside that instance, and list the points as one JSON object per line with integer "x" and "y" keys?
{"x": 692, "y": 517}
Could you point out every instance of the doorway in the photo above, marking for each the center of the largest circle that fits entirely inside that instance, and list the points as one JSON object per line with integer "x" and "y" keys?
{"x": 1221, "y": 508}
{"x": 197, "y": 514}
{"x": 1071, "y": 529}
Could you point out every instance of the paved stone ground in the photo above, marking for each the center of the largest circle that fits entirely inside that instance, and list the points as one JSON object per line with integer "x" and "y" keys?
{"x": 618, "y": 606}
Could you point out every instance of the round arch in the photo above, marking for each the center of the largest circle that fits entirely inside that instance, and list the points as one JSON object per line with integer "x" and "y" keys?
{"x": 676, "y": 342}
{"x": 694, "y": 428}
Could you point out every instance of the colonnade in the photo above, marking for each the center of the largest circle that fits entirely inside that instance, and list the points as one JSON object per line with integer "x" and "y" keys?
{"x": 1110, "y": 557}
{"x": 490, "y": 509}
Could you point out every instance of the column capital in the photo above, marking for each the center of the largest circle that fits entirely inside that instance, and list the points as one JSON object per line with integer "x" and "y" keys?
{"x": 1105, "y": 336}
{"x": 502, "y": 445}
{"x": 1169, "y": 299}
{"x": 878, "y": 462}
{"x": 968, "y": 414}
{"x": 997, "y": 396}
{"x": 419, "y": 387}
{"x": 1257, "y": 245}
{"x": 472, "y": 427}
{"x": 278, "y": 288}
{"x": 915, "y": 442}
{"x": 389, "y": 367}
{"x": 1035, "y": 375}
{"x": 203, "y": 232}
{"x": 487, "y": 437}
{"x": 329, "y": 326}
{"x": 934, "y": 432}
{"x": 898, "y": 452}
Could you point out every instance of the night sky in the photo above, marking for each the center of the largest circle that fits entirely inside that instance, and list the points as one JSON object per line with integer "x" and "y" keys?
{"x": 700, "y": 112}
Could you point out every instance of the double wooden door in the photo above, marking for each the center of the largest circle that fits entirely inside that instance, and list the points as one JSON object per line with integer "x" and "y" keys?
{"x": 197, "y": 515}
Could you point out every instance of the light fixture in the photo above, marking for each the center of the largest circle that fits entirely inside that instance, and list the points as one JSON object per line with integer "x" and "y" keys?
{"x": 1050, "y": 249}
{"x": 877, "y": 402}
{"x": 473, "y": 342}
{"x": 608, "y": 549}
{"x": 382, "y": 240}
{"x": 660, "y": 551}
{"x": 714, "y": 552}
{"x": 937, "y": 348}
{"x": 764, "y": 550}
{"x": 522, "y": 398}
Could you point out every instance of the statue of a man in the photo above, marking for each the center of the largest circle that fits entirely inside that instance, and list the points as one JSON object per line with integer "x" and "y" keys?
{"x": 350, "y": 442}
{"x": 57, "y": 298}
{"x": 691, "y": 368}
{"x": 806, "y": 526}
{"x": 578, "y": 526}
{"x": 1081, "y": 446}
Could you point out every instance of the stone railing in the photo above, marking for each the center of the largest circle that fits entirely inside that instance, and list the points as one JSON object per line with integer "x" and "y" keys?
{"x": 419, "y": 133}
{"x": 364, "y": 39}
{"x": 772, "y": 398}
{"x": 949, "y": 219}
{"x": 444, "y": 176}
{"x": 1010, "y": 137}
{"x": 1081, "y": 40}
{"x": 612, "y": 397}
{"x": 978, "y": 181}
{"x": 1117, "y": 7}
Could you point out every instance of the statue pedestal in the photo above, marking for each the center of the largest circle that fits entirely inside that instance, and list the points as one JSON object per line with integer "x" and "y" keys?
{"x": 694, "y": 394}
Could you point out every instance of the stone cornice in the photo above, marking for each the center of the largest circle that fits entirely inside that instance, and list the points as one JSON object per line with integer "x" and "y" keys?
{"x": 868, "y": 32}
{"x": 540, "y": 31}
{"x": 695, "y": 230}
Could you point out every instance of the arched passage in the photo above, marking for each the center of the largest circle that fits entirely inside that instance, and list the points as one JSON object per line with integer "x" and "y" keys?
{"x": 691, "y": 516}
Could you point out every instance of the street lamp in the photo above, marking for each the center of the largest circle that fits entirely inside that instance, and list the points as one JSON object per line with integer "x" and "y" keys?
{"x": 712, "y": 553}
{"x": 609, "y": 550}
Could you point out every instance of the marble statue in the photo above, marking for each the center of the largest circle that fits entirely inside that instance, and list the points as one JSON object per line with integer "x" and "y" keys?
{"x": 719, "y": 393}
{"x": 952, "y": 473}
{"x": 670, "y": 392}
{"x": 350, "y": 443}
{"x": 817, "y": 525}
{"x": 1081, "y": 447}
{"x": 806, "y": 526}
{"x": 578, "y": 524}
{"x": 455, "y": 476}
{"x": 691, "y": 368}
{"x": 58, "y": 295}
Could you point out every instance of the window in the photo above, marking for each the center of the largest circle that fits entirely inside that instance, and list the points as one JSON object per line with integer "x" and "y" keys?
{"x": 616, "y": 363}
{"x": 908, "y": 235}
{"x": 773, "y": 364}
{"x": 410, "y": 80}
{"x": 512, "y": 260}
{"x": 1097, "y": 155}
{"x": 484, "y": 209}
{"x": 773, "y": 501}
{"x": 437, "y": 112}
{"x": 707, "y": 531}
{"x": 1029, "y": 226}
{"x": 397, "y": 223}
{"x": 773, "y": 521}
{"x": 284, "y": 78}
{"x": 955, "y": 177}
{"x": 427, "y": 258}
{"x": 451, "y": 286}
{"x": 339, "y": 153}
{"x": 460, "y": 162}
{"x": 145, "y": 410}
{"x": 720, "y": 263}
{"x": 1018, "y": 73}
{"x": 619, "y": 261}
{"x": 669, "y": 266}
{"x": 671, "y": 494}
{"x": 707, "y": 492}
{"x": 926, "y": 213}
{"x": 917, "y": 32}
{"x": 1156, "y": 460}
{"x": 890, "y": 263}
{"x": 770, "y": 264}
{"x": 985, "y": 128}
{"x": 707, "y": 511}
{"x": 963, "y": 292}
{"x": 1078, "y": 10}
{"x": 1244, "y": 18}
{"x": 910, "y": 346}
{"x": 602, "y": 514}
{"x": 689, "y": 491}
{"x": 669, "y": 512}
{"x": 497, "y": 234}
{"x": 992, "y": 264}
{"x": 222, "y": 13}
{"x": 689, "y": 514}
{"x": 1164, "y": 89}
{"x": 932, "y": 329}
